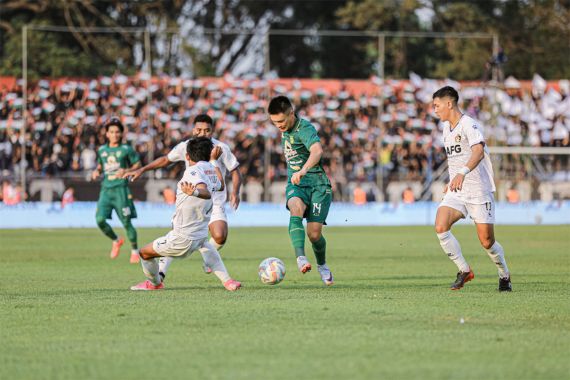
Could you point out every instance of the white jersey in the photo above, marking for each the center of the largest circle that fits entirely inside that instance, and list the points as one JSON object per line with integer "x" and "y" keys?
{"x": 192, "y": 215}
{"x": 478, "y": 184}
{"x": 226, "y": 163}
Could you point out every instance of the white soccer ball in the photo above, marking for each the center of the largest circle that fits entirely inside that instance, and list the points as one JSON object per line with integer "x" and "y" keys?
{"x": 271, "y": 271}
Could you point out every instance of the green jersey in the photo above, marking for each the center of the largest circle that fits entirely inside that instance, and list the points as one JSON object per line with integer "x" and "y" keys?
{"x": 112, "y": 159}
{"x": 296, "y": 143}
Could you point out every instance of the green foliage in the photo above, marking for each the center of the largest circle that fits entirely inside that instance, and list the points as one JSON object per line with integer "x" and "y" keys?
{"x": 66, "y": 311}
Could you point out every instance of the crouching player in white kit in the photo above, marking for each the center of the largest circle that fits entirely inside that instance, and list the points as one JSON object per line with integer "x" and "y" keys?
{"x": 190, "y": 221}
{"x": 471, "y": 190}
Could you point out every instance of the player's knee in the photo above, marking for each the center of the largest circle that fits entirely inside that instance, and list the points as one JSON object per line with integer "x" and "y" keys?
{"x": 441, "y": 228}
{"x": 101, "y": 221}
{"x": 314, "y": 235}
{"x": 145, "y": 255}
{"x": 220, "y": 239}
{"x": 487, "y": 242}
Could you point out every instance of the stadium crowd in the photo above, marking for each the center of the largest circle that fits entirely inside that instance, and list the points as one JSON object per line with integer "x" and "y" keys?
{"x": 383, "y": 127}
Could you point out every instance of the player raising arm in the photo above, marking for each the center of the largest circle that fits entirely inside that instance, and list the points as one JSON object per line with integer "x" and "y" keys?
{"x": 471, "y": 190}
{"x": 308, "y": 189}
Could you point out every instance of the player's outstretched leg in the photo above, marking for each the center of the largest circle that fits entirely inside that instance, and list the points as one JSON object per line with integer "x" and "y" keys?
{"x": 319, "y": 244}
{"x": 108, "y": 231}
{"x": 445, "y": 218}
{"x": 213, "y": 260}
{"x": 132, "y": 236}
{"x": 149, "y": 265}
{"x": 496, "y": 253}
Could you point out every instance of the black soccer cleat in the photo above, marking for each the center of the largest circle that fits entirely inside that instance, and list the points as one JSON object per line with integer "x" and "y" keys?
{"x": 505, "y": 284}
{"x": 462, "y": 278}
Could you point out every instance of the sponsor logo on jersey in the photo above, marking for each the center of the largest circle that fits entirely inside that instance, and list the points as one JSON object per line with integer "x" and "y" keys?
{"x": 458, "y": 138}
{"x": 292, "y": 139}
{"x": 118, "y": 154}
{"x": 450, "y": 150}
{"x": 104, "y": 154}
{"x": 289, "y": 151}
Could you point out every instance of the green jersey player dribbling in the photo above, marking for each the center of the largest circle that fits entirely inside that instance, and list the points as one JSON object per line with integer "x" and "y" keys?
{"x": 112, "y": 159}
{"x": 308, "y": 189}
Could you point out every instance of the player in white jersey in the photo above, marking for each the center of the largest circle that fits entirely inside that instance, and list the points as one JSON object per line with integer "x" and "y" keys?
{"x": 226, "y": 161}
{"x": 190, "y": 221}
{"x": 471, "y": 190}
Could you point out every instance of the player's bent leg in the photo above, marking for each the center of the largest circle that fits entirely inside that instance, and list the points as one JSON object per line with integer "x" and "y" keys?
{"x": 213, "y": 260}
{"x": 496, "y": 253}
{"x": 219, "y": 233}
{"x": 132, "y": 236}
{"x": 163, "y": 266}
{"x": 445, "y": 218}
{"x": 149, "y": 265}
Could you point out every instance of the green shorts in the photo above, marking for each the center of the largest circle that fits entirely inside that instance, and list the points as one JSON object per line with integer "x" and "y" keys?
{"x": 118, "y": 198}
{"x": 317, "y": 199}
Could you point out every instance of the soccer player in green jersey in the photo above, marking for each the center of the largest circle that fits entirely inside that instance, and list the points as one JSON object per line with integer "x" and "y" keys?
{"x": 308, "y": 189}
{"x": 112, "y": 159}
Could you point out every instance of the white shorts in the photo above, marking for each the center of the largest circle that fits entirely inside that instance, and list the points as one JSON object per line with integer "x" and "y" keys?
{"x": 480, "y": 212}
{"x": 174, "y": 245}
{"x": 218, "y": 213}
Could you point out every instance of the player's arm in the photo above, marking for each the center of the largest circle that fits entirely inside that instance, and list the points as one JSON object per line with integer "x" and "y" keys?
{"x": 236, "y": 187}
{"x": 316, "y": 152}
{"x": 97, "y": 172}
{"x": 220, "y": 178}
{"x": 477, "y": 154}
{"x": 199, "y": 190}
{"x": 134, "y": 173}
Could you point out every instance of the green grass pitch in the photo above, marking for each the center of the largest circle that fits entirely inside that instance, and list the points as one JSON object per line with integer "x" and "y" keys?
{"x": 66, "y": 311}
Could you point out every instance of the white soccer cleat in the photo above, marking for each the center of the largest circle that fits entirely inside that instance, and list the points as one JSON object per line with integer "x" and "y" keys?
{"x": 326, "y": 274}
{"x": 303, "y": 264}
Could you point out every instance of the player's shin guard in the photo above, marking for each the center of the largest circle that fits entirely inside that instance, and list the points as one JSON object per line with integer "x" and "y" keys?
{"x": 164, "y": 264}
{"x": 451, "y": 247}
{"x": 150, "y": 269}
{"x": 106, "y": 228}
{"x": 320, "y": 249}
{"x": 297, "y": 235}
{"x": 497, "y": 255}
{"x": 216, "y": 245}
{"x": 213, "y": 260}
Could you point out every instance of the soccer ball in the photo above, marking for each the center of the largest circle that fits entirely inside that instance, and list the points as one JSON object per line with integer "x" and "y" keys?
{"x": 271, "y": 271}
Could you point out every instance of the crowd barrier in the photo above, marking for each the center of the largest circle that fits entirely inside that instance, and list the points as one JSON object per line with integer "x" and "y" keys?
{"x": 82, "y": 214}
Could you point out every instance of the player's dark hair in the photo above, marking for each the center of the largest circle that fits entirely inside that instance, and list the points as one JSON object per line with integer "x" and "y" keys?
{"x": 199, "y": 148}
{"x": 116, "y": 122}
{"x": 279, "y": 104}
{"x": 203, "y": 118}
{"x": 447, "y": 91}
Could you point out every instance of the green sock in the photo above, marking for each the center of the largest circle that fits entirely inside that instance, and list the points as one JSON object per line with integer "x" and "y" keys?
{"x": 131, "y": 233}
{"x": 320, "y": 249}
{"x": 297, "y": 235}
{"x": 106, "y": 228}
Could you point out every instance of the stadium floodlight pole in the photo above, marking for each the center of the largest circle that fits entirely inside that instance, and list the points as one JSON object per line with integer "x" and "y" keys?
{"x": 24, "y": 109}
{"x": 148, "y": 48}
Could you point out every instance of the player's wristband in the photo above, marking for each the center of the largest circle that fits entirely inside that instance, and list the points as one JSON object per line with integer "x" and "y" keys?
{"x": 195, "y": 192}
{"x": 464, "y": 170}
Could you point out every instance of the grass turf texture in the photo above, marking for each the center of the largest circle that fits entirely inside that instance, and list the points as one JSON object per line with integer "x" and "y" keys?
{"x": 66, "y": 311}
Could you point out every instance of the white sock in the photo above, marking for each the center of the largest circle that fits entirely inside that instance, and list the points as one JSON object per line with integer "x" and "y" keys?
{"x": 150, "y": 269}
{"x": 135, "y": 252}
{"x": 452, "y": 249}
{"x": 216, "y": 245}
{"x": 214, "y": 261}
{"x": 164, "y": 264}
{"x": 497, "y": 255}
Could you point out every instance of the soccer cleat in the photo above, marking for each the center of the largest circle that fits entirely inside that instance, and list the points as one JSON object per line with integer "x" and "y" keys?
{"x": 462, "y": 278}
{"x": 505, "y": 284}
{"x": 116, "y": 248}
{"x": 135, "y": 258}
{"x": 326, "y": 274}
{"x": 303, "y": 264}
{"x": 206, "y": 268}
{"x": 147, "y": 285}
{"x": 232, "y": 285}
